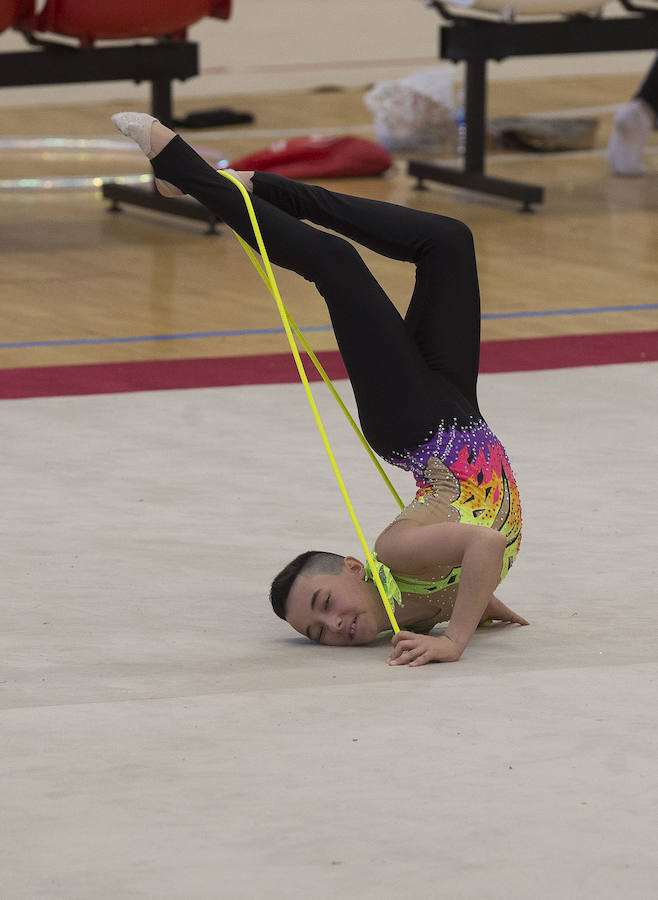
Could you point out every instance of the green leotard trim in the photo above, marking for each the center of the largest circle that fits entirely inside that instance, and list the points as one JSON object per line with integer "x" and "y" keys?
{"x": 395, "y": 585}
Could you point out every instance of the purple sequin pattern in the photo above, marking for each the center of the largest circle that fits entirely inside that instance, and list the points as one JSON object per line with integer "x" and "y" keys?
{"x": 446, "y": 444}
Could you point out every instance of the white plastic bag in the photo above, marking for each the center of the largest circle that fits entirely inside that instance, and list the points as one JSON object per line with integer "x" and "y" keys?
{"x": 416, "y": 112}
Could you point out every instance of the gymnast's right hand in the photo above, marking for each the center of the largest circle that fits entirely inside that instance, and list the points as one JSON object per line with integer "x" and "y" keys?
{"x": 411, "y": 649}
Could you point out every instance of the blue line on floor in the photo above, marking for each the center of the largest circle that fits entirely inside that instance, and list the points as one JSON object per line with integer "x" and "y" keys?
{"x": 195, "y": 335}
{"x": 582, "y": 311}
{"x": 191, "y": 335}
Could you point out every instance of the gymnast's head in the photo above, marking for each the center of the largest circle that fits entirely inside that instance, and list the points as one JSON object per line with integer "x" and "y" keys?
{"x": 325, "y": 597}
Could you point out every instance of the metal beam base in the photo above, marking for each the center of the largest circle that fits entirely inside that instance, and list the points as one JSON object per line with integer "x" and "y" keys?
{"x": 149, "y": 198}
{"x": 527, "y": 194}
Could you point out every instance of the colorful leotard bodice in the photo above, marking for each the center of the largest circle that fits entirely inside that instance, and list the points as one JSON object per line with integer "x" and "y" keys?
{"x": 463, "y": 475}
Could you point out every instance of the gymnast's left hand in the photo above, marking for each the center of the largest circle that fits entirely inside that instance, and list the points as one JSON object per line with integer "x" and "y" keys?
{"x": 411, "y": 649}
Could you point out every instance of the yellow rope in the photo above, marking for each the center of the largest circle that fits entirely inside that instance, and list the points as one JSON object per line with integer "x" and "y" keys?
{"x": 270, "y": 281}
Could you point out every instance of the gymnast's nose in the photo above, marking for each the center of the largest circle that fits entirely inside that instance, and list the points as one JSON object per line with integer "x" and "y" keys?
{"x": 337, "y": 624}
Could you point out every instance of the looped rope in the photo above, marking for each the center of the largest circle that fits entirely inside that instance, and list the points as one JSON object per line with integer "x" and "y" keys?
{"x": 289, "y": 325}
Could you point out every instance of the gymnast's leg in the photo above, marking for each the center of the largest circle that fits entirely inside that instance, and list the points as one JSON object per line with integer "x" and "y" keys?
{"x": 443, "y": 317}
{"x": 388, "y": 374}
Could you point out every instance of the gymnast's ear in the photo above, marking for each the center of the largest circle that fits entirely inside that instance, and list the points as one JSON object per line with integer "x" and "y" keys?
{"x": 354, "y": 566}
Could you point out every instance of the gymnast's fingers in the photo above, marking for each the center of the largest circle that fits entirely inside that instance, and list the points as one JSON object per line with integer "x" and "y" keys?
{"x": 404, "y": 655}
{"x": 402, "y": 636}
{"x": 424, "y": 657}
{"x": 402, "y": 646}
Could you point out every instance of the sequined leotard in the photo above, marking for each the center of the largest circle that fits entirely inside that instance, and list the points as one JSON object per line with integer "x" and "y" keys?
{"x": 469, "y": 468}
{"x": 463, "y": 475}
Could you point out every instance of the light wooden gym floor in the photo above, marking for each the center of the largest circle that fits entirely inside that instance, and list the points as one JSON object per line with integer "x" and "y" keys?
{"x": 73, "y": 272}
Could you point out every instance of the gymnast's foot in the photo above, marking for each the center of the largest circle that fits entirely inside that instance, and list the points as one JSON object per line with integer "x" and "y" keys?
{"x": 151, "y": 136}
{"x": 243, "y": 177}
{"x": 630, "y": 135}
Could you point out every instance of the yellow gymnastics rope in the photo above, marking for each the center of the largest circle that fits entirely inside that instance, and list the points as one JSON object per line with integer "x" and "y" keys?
{"x": 270, "y": 281}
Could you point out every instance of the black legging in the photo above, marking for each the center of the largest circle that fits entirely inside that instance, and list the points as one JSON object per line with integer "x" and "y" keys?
{"x": 407, "y": 374}
{"x": 649, "y": 88}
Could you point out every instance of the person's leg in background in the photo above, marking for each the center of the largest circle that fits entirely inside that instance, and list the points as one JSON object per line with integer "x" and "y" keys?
{"x": 632, "y": 127}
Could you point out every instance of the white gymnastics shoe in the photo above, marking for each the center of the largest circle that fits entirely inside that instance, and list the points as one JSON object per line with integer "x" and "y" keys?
{"x": 630, "y": 135}
{"x": 137, "y": 126}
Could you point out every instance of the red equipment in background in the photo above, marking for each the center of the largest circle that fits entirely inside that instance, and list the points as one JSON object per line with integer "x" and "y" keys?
{"x": 121, "y": 19}
{"x": 14, "y": 12}
{"x": 319, "y": 157}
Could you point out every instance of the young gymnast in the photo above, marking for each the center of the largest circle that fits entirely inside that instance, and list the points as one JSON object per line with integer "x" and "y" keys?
{"x": 414, "y": 380}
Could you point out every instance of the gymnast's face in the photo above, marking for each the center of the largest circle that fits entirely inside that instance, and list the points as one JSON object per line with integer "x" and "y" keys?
{"x": 341, "y": 610}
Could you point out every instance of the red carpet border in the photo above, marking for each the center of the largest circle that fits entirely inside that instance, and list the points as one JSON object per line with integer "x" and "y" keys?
{"x": 524, "y": 355}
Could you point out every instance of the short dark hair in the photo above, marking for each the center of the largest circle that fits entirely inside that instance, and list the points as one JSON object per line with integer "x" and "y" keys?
{"x": 313, "y": 562}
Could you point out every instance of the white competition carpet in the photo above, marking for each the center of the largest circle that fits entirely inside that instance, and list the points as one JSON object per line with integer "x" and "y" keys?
{"x": 165, "y": 735}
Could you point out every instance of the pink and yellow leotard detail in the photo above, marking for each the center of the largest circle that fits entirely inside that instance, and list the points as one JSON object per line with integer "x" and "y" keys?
{"x": 463, "y": 475}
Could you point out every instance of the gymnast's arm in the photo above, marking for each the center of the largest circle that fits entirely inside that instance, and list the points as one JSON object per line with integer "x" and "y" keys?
{"x": 416, "y": 549}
